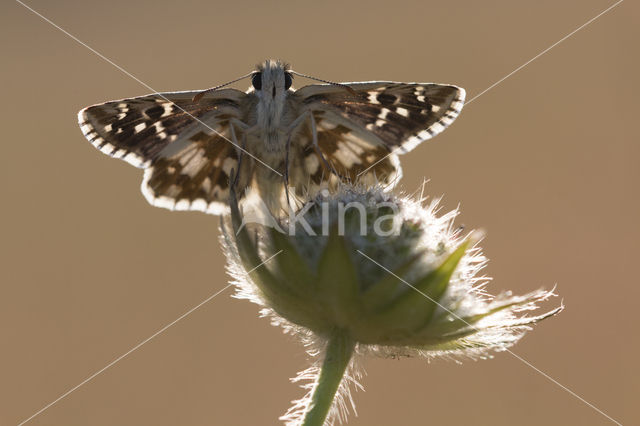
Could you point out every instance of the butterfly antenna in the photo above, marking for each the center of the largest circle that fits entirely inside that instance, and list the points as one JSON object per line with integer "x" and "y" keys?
{"x": 199, "y": 96}
{"x": 349, "y": 89}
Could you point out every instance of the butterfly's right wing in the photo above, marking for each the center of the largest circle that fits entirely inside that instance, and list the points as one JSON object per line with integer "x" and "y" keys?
{"x": 184, "y": 147}
{"x": 361, "y": 127}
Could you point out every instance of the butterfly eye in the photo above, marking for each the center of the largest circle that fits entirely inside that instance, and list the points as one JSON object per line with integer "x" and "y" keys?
{"x": 288, "y": 80}
{"x": 256, "y": 81}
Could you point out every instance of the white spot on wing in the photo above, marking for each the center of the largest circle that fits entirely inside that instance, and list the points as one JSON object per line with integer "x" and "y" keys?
{"x": 437, "y": 127}
{"x": 168, "y": 108}
{"x": 182, "y": 204}
{"x": 206, "y": 184}
{"x": 217, "y": 208}
{"x": 228, "y": 164}
{"x": 346, "y": 157}
{"x": 107, "y": 148}
{"x": 194, "y": 163}
{"x": 446, "y": 120}
{"x": 382, "y": 117}
{"x": 199, "y": 205}
{"x": 311, "y": 163}
{"x": 135, "y": 160}
{"x": 86, "y": 129}
{"x": 326, "y": 125}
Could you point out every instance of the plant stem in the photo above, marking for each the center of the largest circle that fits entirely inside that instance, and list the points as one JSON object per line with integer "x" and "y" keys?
{"x": 336, "y": 359}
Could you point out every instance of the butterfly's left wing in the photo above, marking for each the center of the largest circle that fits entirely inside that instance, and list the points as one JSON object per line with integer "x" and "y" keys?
{"x": 360, "y": 129}
{"x": 184, "y": 146}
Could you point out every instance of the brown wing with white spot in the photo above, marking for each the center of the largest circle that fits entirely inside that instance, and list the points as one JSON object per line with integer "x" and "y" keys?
{"x": 357, "y": 129}
{"x": 138, "y": 129}
{"x": 185, "y": 147}
{"x": 343, "y": 153}
{"x": 196, "y": 176}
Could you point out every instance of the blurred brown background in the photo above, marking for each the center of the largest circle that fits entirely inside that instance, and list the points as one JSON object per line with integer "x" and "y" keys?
{"x": 546, "y": 162}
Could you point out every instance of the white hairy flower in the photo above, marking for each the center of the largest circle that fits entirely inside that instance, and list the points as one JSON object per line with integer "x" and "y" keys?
{"x": 362, "y": 272}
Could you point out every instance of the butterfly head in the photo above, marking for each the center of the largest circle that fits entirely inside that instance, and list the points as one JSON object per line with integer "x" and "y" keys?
{"x": 272, "y": 80}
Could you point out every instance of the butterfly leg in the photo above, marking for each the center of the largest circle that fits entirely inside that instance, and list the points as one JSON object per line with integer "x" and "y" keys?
{"x": 289, "y": 132}
{"x": 286, "y": 170}
{"x": 314, "y": 139}
{"x": 241, "y": 147}
{"x": 307, "y": 115}
{"x": 234, "y": 139}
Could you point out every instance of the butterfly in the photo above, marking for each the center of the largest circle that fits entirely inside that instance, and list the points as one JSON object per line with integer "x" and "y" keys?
{"x": 195, "y": 146}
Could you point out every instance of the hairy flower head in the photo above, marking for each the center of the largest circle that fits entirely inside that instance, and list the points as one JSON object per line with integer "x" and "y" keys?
{"x": 387, "y": 271}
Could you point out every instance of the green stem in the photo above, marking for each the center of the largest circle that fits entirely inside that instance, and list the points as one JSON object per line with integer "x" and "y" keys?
{"x": 336, "y": 359}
